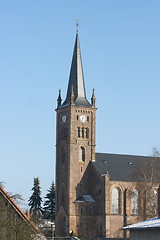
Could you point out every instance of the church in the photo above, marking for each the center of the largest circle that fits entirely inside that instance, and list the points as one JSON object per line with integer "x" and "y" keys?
{"x": 91, "y": 188}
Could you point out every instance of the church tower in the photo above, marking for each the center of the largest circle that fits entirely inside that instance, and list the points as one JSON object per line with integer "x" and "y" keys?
{"x": 75, "y": 147}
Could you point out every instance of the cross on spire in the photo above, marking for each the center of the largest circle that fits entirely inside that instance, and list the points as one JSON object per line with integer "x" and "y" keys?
{"x": 77, "y": 24}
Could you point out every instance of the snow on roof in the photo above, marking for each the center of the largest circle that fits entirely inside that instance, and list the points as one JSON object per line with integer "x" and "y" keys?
{"x": 85, "y": 198}
{"x": 153, "y": 223}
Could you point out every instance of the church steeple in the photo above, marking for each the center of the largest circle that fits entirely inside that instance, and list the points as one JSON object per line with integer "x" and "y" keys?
{"x": 75, "y": 150}
{"x": 76, "y": 80}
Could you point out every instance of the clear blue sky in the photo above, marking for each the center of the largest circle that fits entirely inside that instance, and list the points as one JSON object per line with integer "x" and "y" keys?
{"x": 120, "y": 45}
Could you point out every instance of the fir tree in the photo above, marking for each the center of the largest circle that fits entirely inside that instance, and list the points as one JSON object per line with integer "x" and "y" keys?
{"x": 35, "y": 201}
{"x": 49, "y": 204}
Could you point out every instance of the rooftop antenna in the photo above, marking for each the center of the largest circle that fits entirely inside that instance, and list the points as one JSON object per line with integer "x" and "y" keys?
{"x": 77, "y": 25}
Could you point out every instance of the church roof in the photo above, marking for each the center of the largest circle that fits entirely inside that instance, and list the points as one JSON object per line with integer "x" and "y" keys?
{"x": 76, "y": 84}
{"x": 119, "y": 167}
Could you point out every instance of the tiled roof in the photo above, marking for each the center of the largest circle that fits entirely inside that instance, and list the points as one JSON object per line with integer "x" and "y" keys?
{"x": 119, "y": 167}
{"x": 17, "y": 208}
{"x": 153, "y": 223}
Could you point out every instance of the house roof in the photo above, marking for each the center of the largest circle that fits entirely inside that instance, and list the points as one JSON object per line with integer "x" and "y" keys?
{"x": 153, "y": 223}
{"x": 17, "y": 209}
{"x": 119, "y": 167}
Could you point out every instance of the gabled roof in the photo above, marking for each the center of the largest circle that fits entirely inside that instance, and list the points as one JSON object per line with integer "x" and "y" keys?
{"x": 76, "y": 80}
{"x": 153, "y": 223}
{"x": 119, "y": 167}
{"x": 17, "y": 209}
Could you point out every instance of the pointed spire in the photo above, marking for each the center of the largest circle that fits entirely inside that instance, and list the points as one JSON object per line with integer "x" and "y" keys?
{"x": 76, "y": 79}
{"x": 59, "y": 99}
{"x": 93, "y": 99}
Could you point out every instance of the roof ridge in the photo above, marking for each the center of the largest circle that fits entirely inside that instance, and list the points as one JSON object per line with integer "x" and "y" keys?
{"x": 125, "y": 154}
{"x": 17, "y": 208}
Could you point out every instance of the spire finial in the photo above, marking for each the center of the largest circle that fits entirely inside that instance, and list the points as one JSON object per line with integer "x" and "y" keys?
{"x": 59, "y": 100}
{"x": 77, "y": 25}
{"x": 93, "y": 99}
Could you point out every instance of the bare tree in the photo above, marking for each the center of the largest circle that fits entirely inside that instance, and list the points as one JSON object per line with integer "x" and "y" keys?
{"x": 148, "y": 180}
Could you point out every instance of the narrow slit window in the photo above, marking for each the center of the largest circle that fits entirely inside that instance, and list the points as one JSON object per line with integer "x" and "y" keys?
{"x": 78, "y": 132}
{"x": 82, "y": 132}
{"x": 87, "y": 132}
{"x": 82, "y": 154}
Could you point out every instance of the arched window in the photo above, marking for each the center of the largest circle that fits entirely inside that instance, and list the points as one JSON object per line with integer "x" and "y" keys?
{"x": 82, "y": 154}
{"x": 134, "y": 201}
{"x": 82, "y": 132}
{"x": 115, "y": 201}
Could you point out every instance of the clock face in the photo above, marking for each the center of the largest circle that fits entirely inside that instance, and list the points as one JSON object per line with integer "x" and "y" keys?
{"x": 64, "y": 118}
{"x": 82, "y": 118}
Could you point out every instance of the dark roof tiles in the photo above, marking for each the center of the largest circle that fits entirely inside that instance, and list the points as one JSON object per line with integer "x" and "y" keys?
{"x": 119, "y": 167}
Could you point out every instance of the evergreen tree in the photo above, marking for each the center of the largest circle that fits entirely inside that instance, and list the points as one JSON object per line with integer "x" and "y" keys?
{"x": 35, "y": 201}
{"x": 49, "y": 204}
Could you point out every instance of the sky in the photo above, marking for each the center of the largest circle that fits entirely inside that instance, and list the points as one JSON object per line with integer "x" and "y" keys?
{"x": 120, "y": 47}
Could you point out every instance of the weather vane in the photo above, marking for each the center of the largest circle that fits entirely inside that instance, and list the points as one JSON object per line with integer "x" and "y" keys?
{"x": 77, "y": 21}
